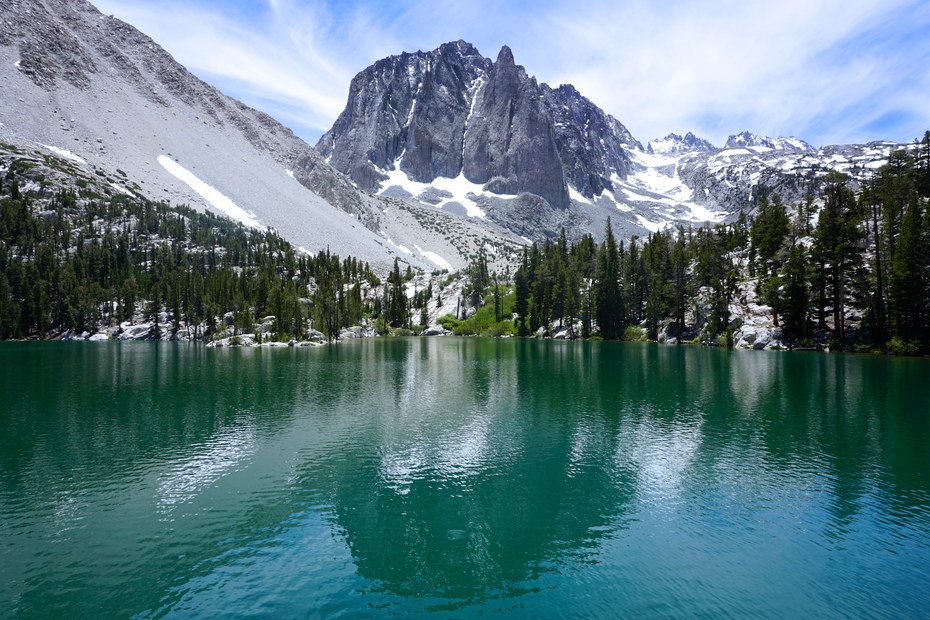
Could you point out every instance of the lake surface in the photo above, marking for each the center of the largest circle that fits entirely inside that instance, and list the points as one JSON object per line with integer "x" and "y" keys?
{"x": 461, "y": 477}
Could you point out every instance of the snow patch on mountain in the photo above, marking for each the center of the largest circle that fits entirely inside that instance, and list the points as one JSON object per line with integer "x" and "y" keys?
{"x": 121, "y": 189}
{"x": 435, "y": 258}
{"x": 64, "y": 153}
{"x": 213, "y": 196}
{"x": 450, "y": 190}
{"x": 402, "y": 248}
{"x": 574, "y": 194}
{"x": 649, "y": 225}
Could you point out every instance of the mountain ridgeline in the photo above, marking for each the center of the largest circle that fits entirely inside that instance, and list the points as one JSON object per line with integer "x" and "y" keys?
{"x": 451, "y": 127}
{"x": 452, "y": 112}
{"x": 99, "y": 92}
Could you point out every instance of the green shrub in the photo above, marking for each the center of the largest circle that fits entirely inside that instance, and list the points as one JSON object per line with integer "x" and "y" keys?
{"x": 497, "y": 330}
{"x": 899, "y": 346}
{"x": 448, "y": 322}
{"x": 482, "y": 322}
{"x": 634, "y": 334}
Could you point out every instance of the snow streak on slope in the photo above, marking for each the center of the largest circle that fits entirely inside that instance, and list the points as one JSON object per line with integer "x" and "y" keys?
{"x": 63, "y": 153}
{"x": 209, "y": 193}
{"x": 435, "y": 258}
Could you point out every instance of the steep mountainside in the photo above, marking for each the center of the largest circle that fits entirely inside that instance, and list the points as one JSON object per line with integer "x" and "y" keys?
{"x": 99, "y": 92}
{"x": 453, "y": 113}
{"x": 436, "y": 154}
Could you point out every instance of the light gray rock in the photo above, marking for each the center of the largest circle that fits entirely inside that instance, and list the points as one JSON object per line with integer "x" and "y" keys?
{"x": 349, "y": 333}
{"x": 135, "y": 332}
{"x": 244, "y": 340}
{"x": 315, "y": 336}
{"x": 763, "y": 337}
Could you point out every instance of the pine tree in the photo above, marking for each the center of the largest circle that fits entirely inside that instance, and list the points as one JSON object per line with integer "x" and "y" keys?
{"x": 836, "y": 247}
{"x": 680, "y": 288}
{"x": 795, "y": 295}
{"x": 769, "y": 229}
{"x": 607, "y": 303}
{"x": 397, "y": 314}
{"x": 522, "y": 293}
{"x": 908, "y": 278}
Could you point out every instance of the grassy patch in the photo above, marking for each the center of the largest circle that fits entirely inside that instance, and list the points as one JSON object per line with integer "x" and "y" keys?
{"x": 482, "y": 322}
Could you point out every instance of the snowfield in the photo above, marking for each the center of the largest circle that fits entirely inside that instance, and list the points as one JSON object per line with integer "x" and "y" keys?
{"x": 460, "y": 190}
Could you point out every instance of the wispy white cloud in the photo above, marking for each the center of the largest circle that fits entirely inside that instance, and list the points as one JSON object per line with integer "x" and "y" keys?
{"x": 829, "y": 71}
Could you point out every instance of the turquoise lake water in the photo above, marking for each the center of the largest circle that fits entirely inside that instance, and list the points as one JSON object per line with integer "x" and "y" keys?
{"x": 461, "y": 477}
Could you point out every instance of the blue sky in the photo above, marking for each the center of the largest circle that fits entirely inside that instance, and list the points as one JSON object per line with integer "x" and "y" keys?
{"x": 828, "y": 71}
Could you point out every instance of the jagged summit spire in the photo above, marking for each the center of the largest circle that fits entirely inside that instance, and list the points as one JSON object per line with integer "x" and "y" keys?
{"x": 505, "y": 57}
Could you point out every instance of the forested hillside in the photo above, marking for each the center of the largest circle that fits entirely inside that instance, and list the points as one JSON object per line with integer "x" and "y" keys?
{"x": 78, "y": 251}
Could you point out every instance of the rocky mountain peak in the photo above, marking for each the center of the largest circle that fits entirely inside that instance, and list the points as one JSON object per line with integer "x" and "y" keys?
{"x": 460, "y": 48}
{"x": 674, "y": 143}
{"x": 748, "y": 139}
{"x": 487, "y": 121}
{"x": 102, "y": 94}
{"x": 505, "y": 57}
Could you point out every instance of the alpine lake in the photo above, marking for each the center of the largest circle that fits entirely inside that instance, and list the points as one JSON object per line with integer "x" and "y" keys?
{"x": 449, "y": 477}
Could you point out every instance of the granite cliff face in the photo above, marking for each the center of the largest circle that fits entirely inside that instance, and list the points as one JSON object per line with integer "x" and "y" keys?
{"x": 435, "y": 155}
{"x": 452, "y": 112}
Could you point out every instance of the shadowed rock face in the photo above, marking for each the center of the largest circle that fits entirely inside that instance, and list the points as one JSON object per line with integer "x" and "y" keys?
{"x": 452, "y": 111}
{"x": 591, "y": 143}
{"x": 413, "y": 107}
{"x": 511, "y": 147}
